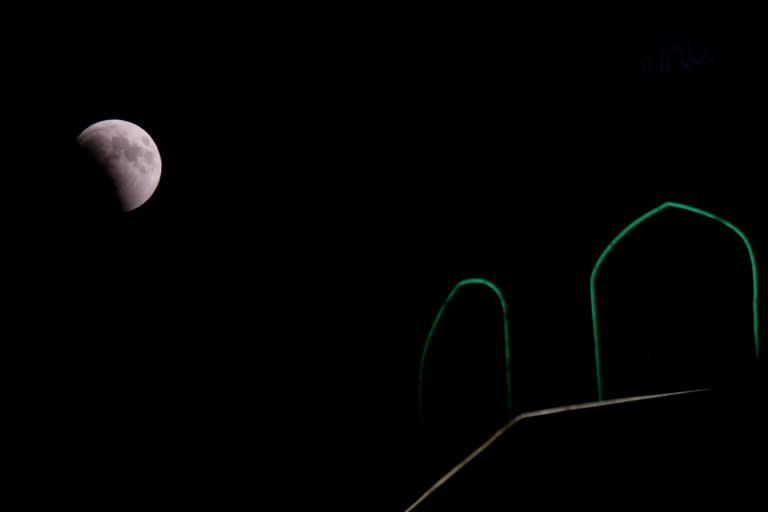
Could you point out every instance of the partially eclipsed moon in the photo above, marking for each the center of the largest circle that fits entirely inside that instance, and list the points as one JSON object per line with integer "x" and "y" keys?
{"x": 128, "y": 155}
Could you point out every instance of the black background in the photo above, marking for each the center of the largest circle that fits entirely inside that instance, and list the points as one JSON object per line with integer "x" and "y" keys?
{"x": 328, "y": 176}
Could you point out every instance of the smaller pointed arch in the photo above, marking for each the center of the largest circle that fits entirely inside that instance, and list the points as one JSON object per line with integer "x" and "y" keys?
{"x": 436, "y": 322}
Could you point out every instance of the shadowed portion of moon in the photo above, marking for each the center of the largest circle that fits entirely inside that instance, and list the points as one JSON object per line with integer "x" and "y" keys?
{"x": 125, "y": 154}
{"x": 95, "y": 192}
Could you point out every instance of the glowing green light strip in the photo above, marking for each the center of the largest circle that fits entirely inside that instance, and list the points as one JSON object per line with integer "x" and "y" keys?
{"x": 630, "y": 227}
{"x": 439, "y": 316}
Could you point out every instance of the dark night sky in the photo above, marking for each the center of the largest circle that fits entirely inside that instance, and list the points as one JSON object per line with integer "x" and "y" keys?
{"x": 327, "y": 178}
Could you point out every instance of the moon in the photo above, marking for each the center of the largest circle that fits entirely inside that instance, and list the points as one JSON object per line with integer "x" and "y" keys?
{"x": 128, "y": 156}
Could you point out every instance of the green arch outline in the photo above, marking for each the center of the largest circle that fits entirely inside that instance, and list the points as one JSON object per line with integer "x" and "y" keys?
{"x": 623, "y": 233}
{"x": 438, "y": 317}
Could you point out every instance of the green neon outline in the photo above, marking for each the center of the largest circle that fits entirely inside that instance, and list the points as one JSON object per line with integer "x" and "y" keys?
{"x": 438, "y": 317}
{"x": 630, "y": 227}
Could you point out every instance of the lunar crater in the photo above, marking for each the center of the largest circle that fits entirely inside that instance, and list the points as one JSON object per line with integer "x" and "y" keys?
{"x": 122, "y": 146}
{"x": 132, "y": 153}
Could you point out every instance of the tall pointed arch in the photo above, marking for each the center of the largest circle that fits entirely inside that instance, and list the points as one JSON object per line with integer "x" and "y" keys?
{"x": 623, "y": 233}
